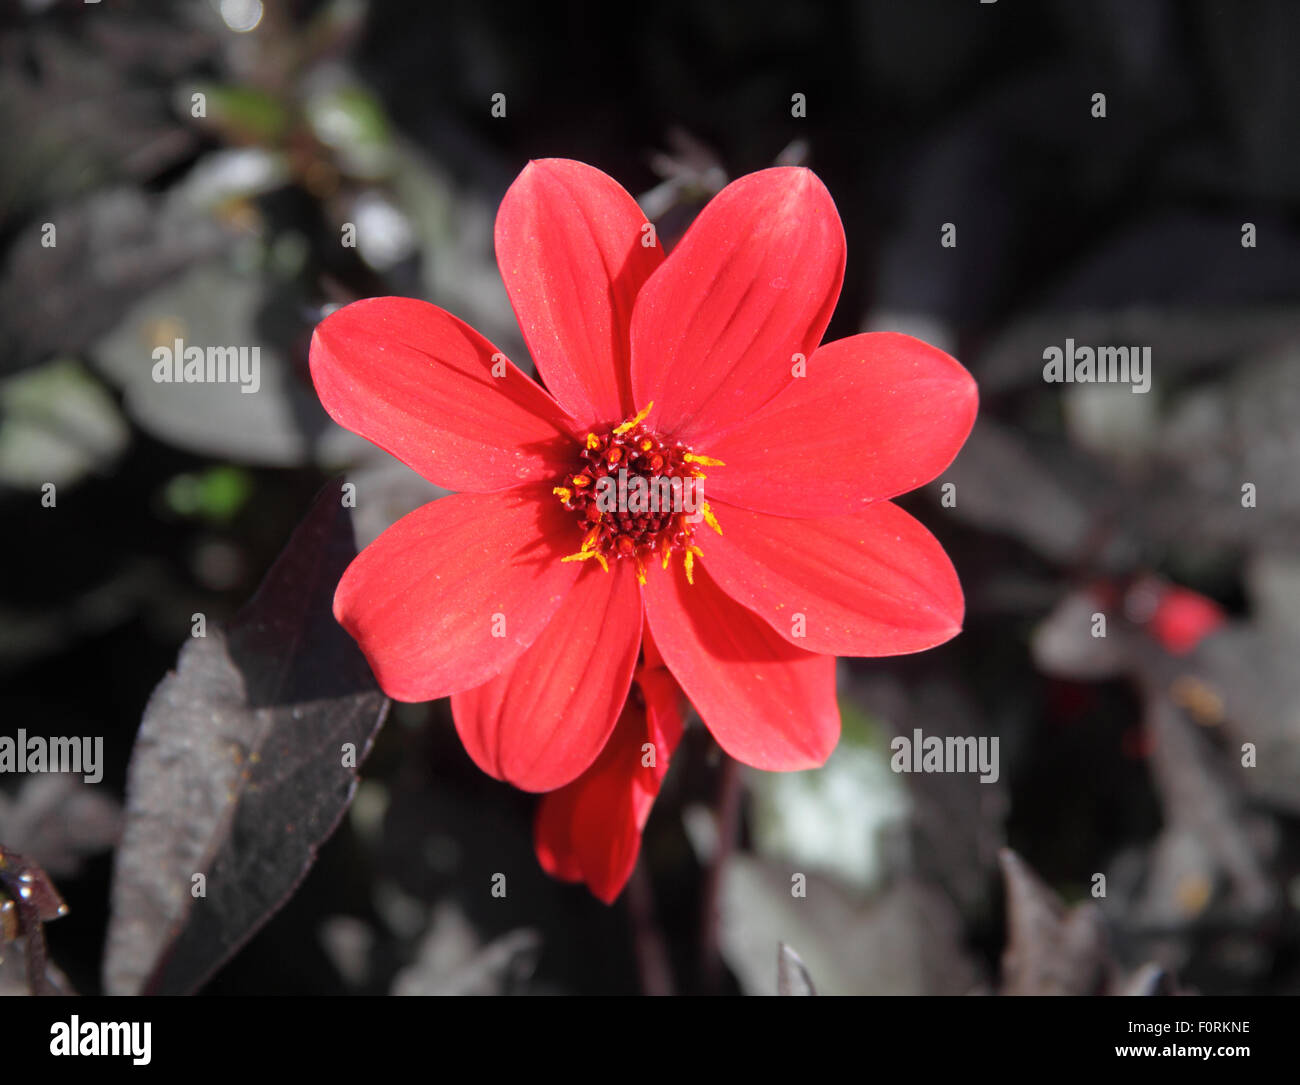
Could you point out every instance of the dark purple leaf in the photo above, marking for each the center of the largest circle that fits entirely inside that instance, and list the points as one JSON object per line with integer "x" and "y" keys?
{"x": 239, "y": 772}
{"x": 1050, "y": 951}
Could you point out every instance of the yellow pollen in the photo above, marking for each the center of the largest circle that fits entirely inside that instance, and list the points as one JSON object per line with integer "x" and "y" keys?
{"x": 593, "y": 442}
{"x": 703, "y": 461}
{"x": 688, "y": 560}
{"x": 589, "y": 543}
{"x": 563, "y": 493}
{"x": 709, "y": 518}
{"x": 632, "y": 423}
{"x": 581, "y": 480}
{"x": 640, "y": 571}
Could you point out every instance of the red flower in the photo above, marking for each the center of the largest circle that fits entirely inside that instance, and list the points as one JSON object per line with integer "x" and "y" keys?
{"x": 524, "y": 597}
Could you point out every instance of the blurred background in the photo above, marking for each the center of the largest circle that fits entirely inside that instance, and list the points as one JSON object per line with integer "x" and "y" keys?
{"x": 200, "y": 160}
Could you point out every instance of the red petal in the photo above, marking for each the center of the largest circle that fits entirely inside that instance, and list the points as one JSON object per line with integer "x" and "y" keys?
{"x": 752, "y": 283}
{"x": 587, "y": 831}
{"x": 425, "y": 599}
{"x": 553, "y": 832}
{"x": 874, "y": 583}
{"x": 665, "y": 711}
{"x": 768, "y": 703}
{"x": 569, "y": 245}
{"x": 876, "y": 415}
{"x": 419, "y": 383}
{"x": 665, "y": 706}
{"x": 591, "y": 830}
{"x": 543, "y": 720}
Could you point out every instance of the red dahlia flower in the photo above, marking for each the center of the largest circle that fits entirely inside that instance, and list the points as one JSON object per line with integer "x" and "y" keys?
{"x": 525, "y": 597}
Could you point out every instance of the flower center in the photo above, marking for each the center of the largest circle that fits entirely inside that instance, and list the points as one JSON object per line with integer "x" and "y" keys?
{"x": 637, "y": 496}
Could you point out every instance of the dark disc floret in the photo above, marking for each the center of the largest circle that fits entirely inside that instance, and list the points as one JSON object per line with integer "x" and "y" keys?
{"x": 632, "y": 459}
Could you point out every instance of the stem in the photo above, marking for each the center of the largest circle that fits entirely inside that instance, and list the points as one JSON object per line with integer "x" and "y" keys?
{"x": 652, "y": 963}
{"x": 34, "y": 951}
{"x": 727, "y": 822}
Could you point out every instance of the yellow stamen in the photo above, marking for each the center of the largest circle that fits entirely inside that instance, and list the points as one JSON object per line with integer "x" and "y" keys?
{"x": 563, "y": 493}
{"x": 688, "y": 560}
{"x": 581, "y": 480}
{"x": 640, "y": 570}
{"x": 647, "y": 444}
{"x": 593, "y": 442}
{"x": 632, "y": 423}
{"x": 709, "y": 518}
{"x": 584, "y": 555}
{"x": 703, "y": 461}
{"x": 589, "y": 543}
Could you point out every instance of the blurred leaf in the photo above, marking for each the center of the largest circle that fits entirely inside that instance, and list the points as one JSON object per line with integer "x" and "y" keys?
{"x": 1064, "y": 645}
{"x": 907, "y": 940}
{"x": 386, "y": 491}
{"x": 955, "y": 820}
{"x": 238, "y": 772}
{"x": 109, "y": 249}
{"x": 1249, "y": 671}
{"x": 58, "y": 819}
{"x": 244, "y": 114}
{"x": 1213, "y": 851}
{"x": 1032, "y": 494}
{"x": 1054, "y": 950}
{"x": 1050, "y": 951}
{"x": 1182, "y": 338}
{"x": 1149, "y": 980}
{"x": 222, "y": 177}
{"x": 1240, "y": 682}
{"x": 216, "y": 494}
{"x": 57, "y": 423}
{"x": 451, "y": 961}
{"x": 1245, "y": 682}
{"x": 1218, "y": 436}
{"x": 1182, "y": 285}
{"x": 832, "y": 818}
{"x": 791, "y": 976}
{"x": 90, "y": 108}
{"x": 352, "y": 121}
{"x": 279, "y": 424}
{"x": 458, "y": 265}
